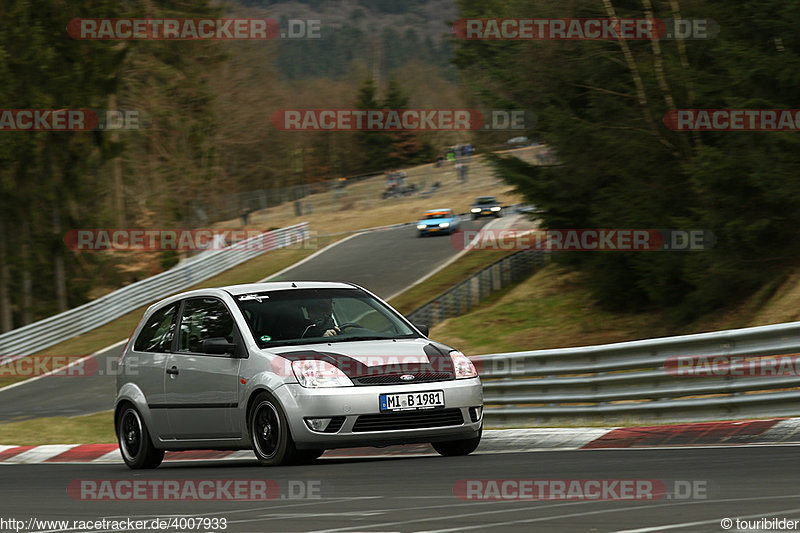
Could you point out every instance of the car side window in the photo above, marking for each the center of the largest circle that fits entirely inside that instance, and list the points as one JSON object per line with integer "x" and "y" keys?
{"x": 158, "y": 332}
{"x": 202, "y": 319}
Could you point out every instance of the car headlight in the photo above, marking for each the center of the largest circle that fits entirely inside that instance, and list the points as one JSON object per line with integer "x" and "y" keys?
{"x": 421, "y": 226}
{"x": 444, "y": 225}
{"x": 476, "y": 209}
{"x": 496, "y": 208}
{"x": 462, "y": 365}
{"x": 315, "y": 374}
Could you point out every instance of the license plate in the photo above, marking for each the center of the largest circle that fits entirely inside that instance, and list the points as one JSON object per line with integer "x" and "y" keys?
{"x": 410, "y": 401}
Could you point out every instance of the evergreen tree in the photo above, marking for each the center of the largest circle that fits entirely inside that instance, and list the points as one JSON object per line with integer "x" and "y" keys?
{"x": 374, "y": 144}
{"x": 600, "y": 106}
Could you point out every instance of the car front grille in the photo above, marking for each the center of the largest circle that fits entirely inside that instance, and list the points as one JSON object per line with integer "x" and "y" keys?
{"x": 409, "y": 420}
{"x": 394, "y": 379}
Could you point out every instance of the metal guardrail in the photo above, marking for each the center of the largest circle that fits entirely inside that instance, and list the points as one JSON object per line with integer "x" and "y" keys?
{"x": 469, "y": 293}
{"x": 49, "y": 331}
{"x": 628, "y": 381}
{"x": 622, "y": 382}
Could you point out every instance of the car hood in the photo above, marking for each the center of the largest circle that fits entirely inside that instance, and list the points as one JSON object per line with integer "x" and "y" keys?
{"x": 363, "y": 359}
{"x": 435, "y": 221}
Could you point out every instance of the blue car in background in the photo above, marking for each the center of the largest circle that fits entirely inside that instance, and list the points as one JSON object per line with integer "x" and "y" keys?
{"x": 438, "y": 221}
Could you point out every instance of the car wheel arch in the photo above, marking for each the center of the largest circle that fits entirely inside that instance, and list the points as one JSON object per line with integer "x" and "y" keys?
{"x": 132, "y": 395}
{"x": 251, "y": 400}
{"x": 120, "y": 408}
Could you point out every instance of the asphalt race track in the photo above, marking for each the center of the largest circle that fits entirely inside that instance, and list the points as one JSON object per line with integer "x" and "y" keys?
{"x": 417, "y": 493}
{"x": 385, "y": 262}
{"x": 64, "y": 395}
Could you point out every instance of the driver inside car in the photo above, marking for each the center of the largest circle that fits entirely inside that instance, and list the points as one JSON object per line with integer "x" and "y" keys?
{"x": 320, "y": 313}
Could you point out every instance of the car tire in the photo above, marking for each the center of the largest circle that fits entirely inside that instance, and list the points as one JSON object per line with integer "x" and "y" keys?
{"x": 454, "y": 448}
{"x": 135, "y": 444}
{"x": 270, "y": 436}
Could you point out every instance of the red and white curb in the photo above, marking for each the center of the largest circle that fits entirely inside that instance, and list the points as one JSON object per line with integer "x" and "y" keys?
{"x": 745, "y": 432}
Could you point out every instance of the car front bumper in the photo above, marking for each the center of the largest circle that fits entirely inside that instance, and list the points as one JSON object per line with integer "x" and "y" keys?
{"x": 435, "y": 229}
{"x": 464, "y": 397}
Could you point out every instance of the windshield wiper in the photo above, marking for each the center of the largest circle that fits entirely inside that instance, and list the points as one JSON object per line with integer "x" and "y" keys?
{"x": 368, "y": 338}
{"x": 325, "y": 340}
{"x": 267, "y": 345}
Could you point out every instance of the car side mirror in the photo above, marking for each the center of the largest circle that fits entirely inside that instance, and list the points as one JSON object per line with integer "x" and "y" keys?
{"x": 218, "y": 346}
{"x": 422, "y": 329}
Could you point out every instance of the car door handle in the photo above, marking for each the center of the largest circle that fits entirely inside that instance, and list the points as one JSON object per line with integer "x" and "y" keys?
{"x": 173, "y": 371}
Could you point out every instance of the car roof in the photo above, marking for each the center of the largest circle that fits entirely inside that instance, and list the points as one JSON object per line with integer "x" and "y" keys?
{"x": 248, "y": 288}
{"x": 431, "y": 211}
{"x": 485, "y": 198}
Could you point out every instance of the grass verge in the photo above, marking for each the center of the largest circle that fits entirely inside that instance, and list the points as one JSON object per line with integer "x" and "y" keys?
{"x": 555, "y": 308}
{"x": 97, "y": 428}
{"x": 464, "y": 267}
{"x": 551, "y": 309}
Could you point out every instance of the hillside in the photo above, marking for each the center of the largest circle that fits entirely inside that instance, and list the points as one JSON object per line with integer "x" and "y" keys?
{"x": 382, "y": 35}
{"x": 554, "y": 308}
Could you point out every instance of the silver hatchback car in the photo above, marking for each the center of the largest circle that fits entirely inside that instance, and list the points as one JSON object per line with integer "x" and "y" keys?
{"x": 289, "y": 370}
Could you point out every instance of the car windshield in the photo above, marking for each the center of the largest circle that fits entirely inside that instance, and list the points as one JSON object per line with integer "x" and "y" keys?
{"x": 305, "y": 316}
{"x": 438, "y": 214}
{"x": 485, "y": 200}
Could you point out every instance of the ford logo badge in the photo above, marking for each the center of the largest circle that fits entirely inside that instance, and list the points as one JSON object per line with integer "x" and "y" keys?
{"x": 407, "y": 377}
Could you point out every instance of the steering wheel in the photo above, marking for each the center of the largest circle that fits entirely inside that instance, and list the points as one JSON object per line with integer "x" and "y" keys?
{"x": 346, "y": 325}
